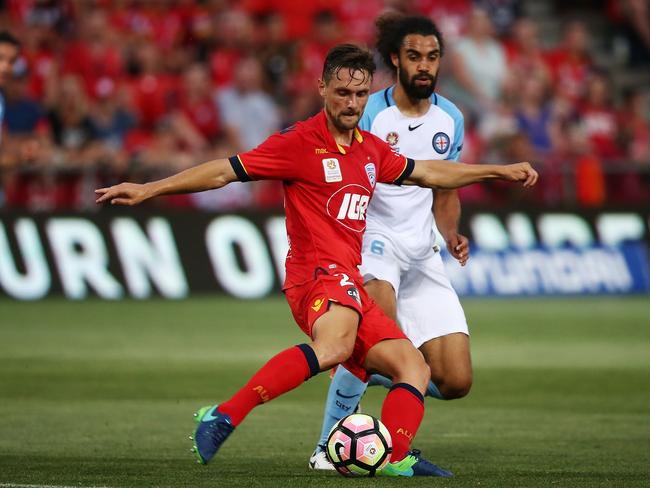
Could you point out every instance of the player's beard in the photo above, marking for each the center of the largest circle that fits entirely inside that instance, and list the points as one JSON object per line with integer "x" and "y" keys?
{"x": 342, "y": 124}
{"x": 415, "y": 91}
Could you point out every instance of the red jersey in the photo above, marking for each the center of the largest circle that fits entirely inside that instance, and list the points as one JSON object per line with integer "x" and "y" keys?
{"x": 327, "y": 188}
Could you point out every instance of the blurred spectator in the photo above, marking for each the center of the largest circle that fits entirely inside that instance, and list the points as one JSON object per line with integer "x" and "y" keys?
{"x": 570, "y": 63}
{"x": 94, "y": 55}
{"x": 152, "y": 90}
{"x": 160, "y": 21}
{"x": 633, "y": 19}
{"x": 110, "y": 120}
{"x": 242, "y": 102}
{"x": 632, "y": 181}
{"x": 245, "y": 101}
{"x": 599, "y": 118}
{"x": 23, "y": 114}
{"x": 503, "y": 13}
{"x": 325, "y": 34}
{"x": 451, "y": 17}
{"x": 535, "y": 117}
{"x": 234, "y": 30}
{"x": 39, "y": 50}
{"x": 275, "y": 53}
{"x": 472, "y": 153}
{"x": 198, "y": 119}
{"x": 46, "y": 13}
{"x": 356, "y": 19}
{"x": 496, "y": 126}
{"x": 70, "y": 121}
{"x": 635, "y": 127}
{"x": 478, "y": 65}
{"x": 161, "y": 151}
{"x": 298, "y": 15}
{"x": 524, "y": 53}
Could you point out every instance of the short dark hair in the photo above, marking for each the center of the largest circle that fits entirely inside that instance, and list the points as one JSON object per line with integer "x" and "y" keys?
{"x": 348, "y": 56}
{"x": 7, "y": 37}
{"x": 393, "y": 28}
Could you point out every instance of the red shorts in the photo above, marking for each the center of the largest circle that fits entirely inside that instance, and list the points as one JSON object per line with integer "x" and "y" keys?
{"x": 310, "y": 300}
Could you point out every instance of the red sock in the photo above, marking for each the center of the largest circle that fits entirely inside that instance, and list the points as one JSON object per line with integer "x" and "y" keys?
{"x": 402, "y": 413}
{"x": 280, "y": 374}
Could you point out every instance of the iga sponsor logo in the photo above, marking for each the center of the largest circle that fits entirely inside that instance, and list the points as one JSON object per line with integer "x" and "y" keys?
{"x": 348, "y": 206}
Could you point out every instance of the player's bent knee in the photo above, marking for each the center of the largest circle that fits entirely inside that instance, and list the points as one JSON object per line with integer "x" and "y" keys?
{"x": 454, "y": 387}
{"x": 343, "y": 353}
{"x": 330, "y": 354}
{"x": 414, "y": 370}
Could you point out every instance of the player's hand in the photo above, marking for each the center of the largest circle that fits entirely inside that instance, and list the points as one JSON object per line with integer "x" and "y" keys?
{"x": 523, "y": 172}
{"x": 123, "y": 194}
{"x": 458, "y": 247}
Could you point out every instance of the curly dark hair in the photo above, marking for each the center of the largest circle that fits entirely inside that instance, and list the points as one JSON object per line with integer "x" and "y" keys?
{"x": 393, "y": 28}
{"x": 7, "y": 37}
{"x": 348, "y": 56}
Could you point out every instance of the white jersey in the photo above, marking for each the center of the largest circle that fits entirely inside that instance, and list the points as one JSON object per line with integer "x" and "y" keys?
{"x": 404, "y": 213}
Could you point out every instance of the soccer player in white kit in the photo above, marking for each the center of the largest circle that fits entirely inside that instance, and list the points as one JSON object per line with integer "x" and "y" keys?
{"x": 401, "y": 267}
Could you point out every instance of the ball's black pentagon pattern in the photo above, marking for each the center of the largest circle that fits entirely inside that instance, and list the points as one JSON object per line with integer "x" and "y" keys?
{"x": 354, "y": 437}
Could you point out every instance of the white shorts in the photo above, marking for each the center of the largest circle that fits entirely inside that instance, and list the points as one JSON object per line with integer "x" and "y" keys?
{"x": 427, "y": 304}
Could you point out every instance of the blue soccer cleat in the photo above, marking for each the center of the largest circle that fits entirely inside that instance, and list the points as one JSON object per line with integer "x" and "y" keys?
{"x": 211, "y": 432}
{"x": 414, "y": 465}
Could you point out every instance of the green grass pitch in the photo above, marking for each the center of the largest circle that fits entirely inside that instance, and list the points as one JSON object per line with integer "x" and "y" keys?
{"x": 102, "y": 394}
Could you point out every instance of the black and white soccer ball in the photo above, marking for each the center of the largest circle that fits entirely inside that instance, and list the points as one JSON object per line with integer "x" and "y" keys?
{"x": 359, "y": 445}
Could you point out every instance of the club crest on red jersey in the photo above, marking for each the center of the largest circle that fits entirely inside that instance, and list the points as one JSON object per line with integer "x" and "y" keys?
{"x": 372, "y": 173}
{"x": 348, "y": 206}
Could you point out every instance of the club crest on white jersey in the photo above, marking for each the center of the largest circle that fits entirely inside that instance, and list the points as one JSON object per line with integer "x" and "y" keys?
{"x": 392, "y": 138}
{"x": 440, "y": 142}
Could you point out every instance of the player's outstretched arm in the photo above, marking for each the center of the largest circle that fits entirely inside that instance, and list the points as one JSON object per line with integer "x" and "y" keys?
{"x": 444, "y": 174}
{"x": 207, "y": 176}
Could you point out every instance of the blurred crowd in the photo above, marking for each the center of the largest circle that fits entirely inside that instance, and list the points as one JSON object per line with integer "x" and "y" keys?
{"x": 137, "y": 89}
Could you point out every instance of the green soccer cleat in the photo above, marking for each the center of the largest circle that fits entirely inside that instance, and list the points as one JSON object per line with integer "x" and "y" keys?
{"x": 414, "y": 465}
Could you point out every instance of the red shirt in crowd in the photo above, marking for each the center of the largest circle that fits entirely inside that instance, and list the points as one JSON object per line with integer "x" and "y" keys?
{"x": 569, "y": 73}
{"x": 92, "y": 64}
{"x": 297, "y": 15}
{"x": 600, "y": 124}
{"x": 203, "y": 115}
{"x": 327, "y": 190}
{"x": 153, "y": 96}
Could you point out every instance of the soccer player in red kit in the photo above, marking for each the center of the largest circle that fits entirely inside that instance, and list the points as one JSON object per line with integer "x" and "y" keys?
{"x": 329, "y": 169}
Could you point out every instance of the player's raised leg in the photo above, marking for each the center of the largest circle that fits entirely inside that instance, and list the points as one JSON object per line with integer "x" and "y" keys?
{"x": 403, "y": 407}
{"x": 346, "y": 389}
{"x": 333, "y": 333}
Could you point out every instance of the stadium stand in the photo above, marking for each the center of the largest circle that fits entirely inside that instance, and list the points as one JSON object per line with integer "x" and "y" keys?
{"x": 107, "y": 91}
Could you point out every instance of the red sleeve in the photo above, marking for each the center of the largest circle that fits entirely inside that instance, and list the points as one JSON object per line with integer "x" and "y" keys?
{"x": 392, "y": 167}
{"x": 274, "y": 159}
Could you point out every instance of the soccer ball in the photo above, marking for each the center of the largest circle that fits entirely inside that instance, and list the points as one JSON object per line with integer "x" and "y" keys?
{"x": 359, "y": 445}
